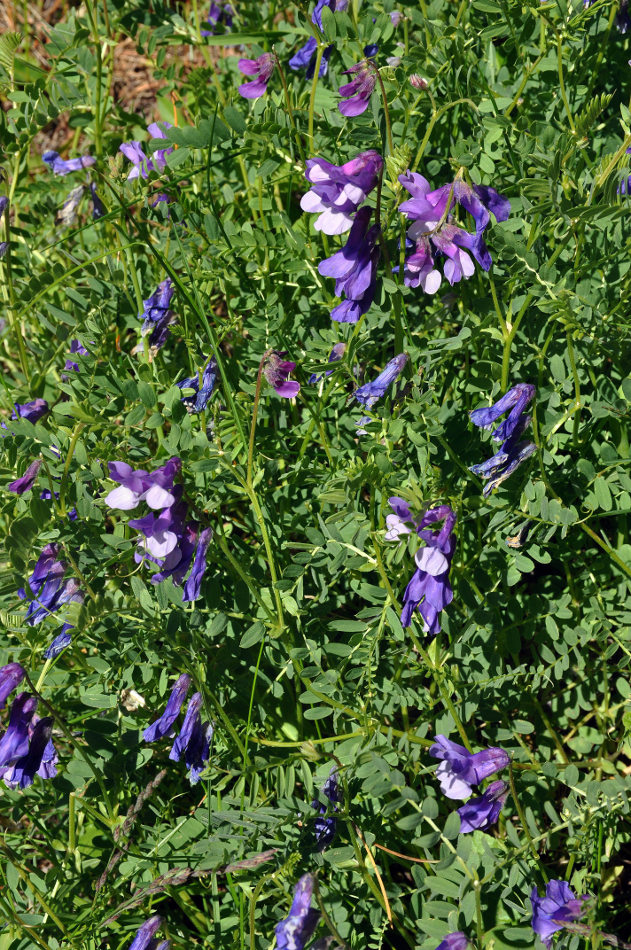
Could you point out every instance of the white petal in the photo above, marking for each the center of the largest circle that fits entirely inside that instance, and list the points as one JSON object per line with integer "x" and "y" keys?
{"x": 450, "y": 784}
{"x": 316, "y": 173}
{"x": 431, "y": 282}
{"x": 123, "y": 498}
{"x": 158, "y": 497}
{"x": 159, "y": 545}
{"x": 350, "y": 193}
{"x": 468, "y": 267}
{"x": 431, "y": 560}
{"x": 311, "y": 202}
{"x": 332, "y": 222}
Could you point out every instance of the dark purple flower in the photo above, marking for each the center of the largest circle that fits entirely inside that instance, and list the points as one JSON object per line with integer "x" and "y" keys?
{"x": 623, "y": 20}
{"x": 429, "y": 590}
{"x": 336, "y": 354}
{"x": 371, "y": 50}
{"x": 4, "y": 247}
{"x": 98, "y": 208}
{"x": 193, "y": 740}
{"x": 32, "y": 411}
{"x": 26, "y": 481}
{"x": 193, "y": 584}
{"x": 164, "y": 725}
{"x": 178, "y": 561}
{"x": 59, "y": 644}
{"x": 158, "y": 303}
{"x": 143, "y": 165}
{"x": 11, "y": 676}
{"x": 144, "y": 937}
{"x": 76, "y": 346}
{"x": 155, "y": 488}
{"x": 220, "y": 13}
{"x": 481, "y": 813}
{"x": 512, "y": 452}
{"x": 558, "y": 908}
{"x": 262, "y": 68}
{"x": 454, "y": 941}
{"x": 326, "y": 827}
{"x": 199, "y": 399}
{"x": 14, "y": 743}
{"x": 305, "y": 57}
{"x": 22, "y": 772}
{"x": 61, "y": 167}
{"x": 355, "y": 269}
{"x": 369, "y": 393}
{"x": 460, "y": 769}
{"x": 4, "y": 204}
{"x": 276, "y": 371}
{"x": 358, "y": 91}
{"x": 516, "y": 399}
{"x": 624, "y": 188}
{"x": 293, "y": 932}
{"x": 338, "y": 190}
{"x": 433, "y": 230}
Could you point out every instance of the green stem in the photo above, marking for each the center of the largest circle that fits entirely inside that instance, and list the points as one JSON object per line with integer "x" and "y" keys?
{"x": 577, "y": 388}
{"x": 314, "y": 86}
{"x": 290, "y": 111}
{"x": 255, "y": 410}
{"x": 562, "y": 84}
{"x": 522, "y": 818}
{"x": 64, "y": 476}
{"x": 386, "y": 111}
{"x": 9, "y": 291}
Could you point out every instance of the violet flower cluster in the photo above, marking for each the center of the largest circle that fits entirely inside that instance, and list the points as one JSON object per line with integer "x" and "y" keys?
{"x": 429, "y": 590}
{"x": 559, "y": 907}
{"x": 192, "y": 742}
{"x": 50, "y": 592}
{"x": 26, "y": 747}
{"x": 198, "y": 399}
{"x": 142, "y": 165}
{"x": 354, "y": 268}
{"x": 512, "y": 451}
{"x": 325, "y": 825}
{"x": 294, "y": 931}
{"x": 157, "y": 315}
{"x": 357, "y": 92}
{"x": 305, "y": 57}
{"x": 460, "y": 770}
{"x": 169, "y": 540}
{"x": 220, "y": 14}
{"x": 145, "y": 938}
{"x": 433, "y": 232}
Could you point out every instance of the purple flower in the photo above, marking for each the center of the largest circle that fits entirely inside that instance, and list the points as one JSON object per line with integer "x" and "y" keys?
{"x": 397, "y": 523}
{"x": 160, "y": 531}
{"x": 143, "y": 165}
{"x": 98, "y": 208}
{"x": 193, "y": 584}
{"x": 305, "y": 57}
{"x": 355, "y": 269}
{"x": 433, "y": 230}
{"x": 4, "y": 204}
{"x": 454, "y": 941}
{"x": 76, "y": 346}
{"x": 512, "y": 452}
{"x": 26, "y": 481}
{"x": 276, "y": 371}
{"x": 11, "y": 676}
{"x": 326, "y": 827}
{"x": 144, "y": 937}
{"x": 484, "y": 811}
{"x": 262, "y": 68}
{"x": 516, "y": 399}
{"x": 157, "y": 315}
{"x": 623, "y": 20}
{"x": 61, "y": 167}
{"x": 4, "y": 247}
{"x": 155, "y": 488}
{"x": 177, "y": 563}
{"x": 358, "y": 91}
{"x": 429, "y": 590}
{"x": 396, "y": 16}
{"x": 338, "y": 190}
{"x": 220, "y": 13}
{"x": 460, "y": 769}
{"x": 164, "y": 725}
{"x": 198, "y": 401}
{"x": 22, "y": 772}
{"x": 336, "y": 354}
{"x": 14, "y": 743}
{"x": 193, "y": 740}
{"x": 369, "y": 393}
{"x": 59, "y": 644}
{"x": 557, "y": 908}
{"x": 32, "y": 411}
{"x": 293, "y": 932}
